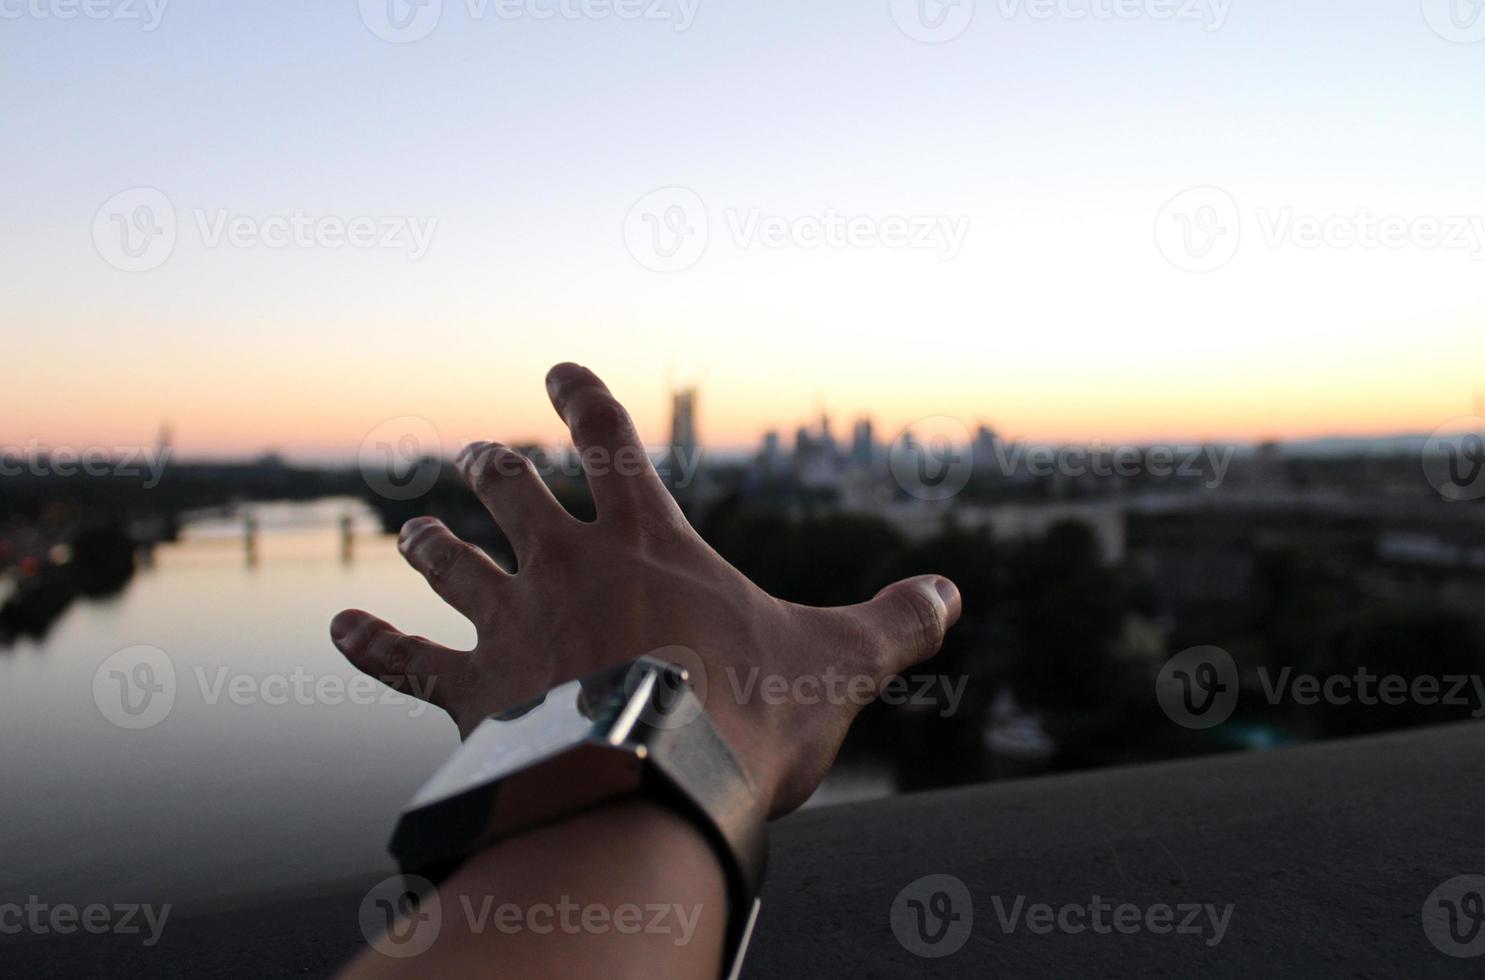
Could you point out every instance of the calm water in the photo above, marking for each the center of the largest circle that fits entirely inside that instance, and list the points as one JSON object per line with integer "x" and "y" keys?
{"x": 272, "y": 787}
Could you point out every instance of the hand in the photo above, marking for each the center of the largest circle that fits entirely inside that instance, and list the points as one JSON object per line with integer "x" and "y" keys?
{"x": 638, "y": 580}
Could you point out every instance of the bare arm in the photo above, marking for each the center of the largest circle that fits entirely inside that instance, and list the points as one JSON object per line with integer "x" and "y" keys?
{"x": 627, "y": 890}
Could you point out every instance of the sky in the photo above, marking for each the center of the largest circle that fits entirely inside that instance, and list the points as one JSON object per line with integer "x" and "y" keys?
{"x": 1115, "y": 220}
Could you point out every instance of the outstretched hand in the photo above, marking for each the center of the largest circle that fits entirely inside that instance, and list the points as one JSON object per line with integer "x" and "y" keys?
{"x": 639, "y": 580}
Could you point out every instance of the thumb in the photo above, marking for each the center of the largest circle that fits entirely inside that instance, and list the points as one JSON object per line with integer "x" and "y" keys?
{"x": 909, "y": 618}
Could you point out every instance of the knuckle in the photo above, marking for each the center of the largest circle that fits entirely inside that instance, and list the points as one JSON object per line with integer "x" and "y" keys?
{"x": 398, "y": 657}
{"x": 362, "y": 638}
{"x": 558, "y": 551}
{"x": 871, "y": 648}
{"x": 499, "y": 464}
{"x": 444, "y": 559}
{"x": 389, "y": 653}
{"x": 638, "y": 526}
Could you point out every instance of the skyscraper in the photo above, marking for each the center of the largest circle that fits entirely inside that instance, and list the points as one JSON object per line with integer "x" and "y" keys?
{"x": 772, "y": 456}
{"x": 863, "y": 445}
{"x": 986, "y": 453}
{"x": 684, "y": 445}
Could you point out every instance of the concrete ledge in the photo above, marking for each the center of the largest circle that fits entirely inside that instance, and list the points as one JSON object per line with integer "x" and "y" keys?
{"x": 1326, "y": 854}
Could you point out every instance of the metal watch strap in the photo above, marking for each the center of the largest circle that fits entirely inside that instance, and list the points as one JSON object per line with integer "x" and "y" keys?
{"x": 659, "y": 745}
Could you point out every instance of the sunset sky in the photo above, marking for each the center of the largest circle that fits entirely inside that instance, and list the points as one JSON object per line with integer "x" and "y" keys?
{"x": 525, "y": 144}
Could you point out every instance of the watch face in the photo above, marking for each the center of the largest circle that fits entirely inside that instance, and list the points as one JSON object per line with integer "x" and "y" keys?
{"x": 505, "y": 744}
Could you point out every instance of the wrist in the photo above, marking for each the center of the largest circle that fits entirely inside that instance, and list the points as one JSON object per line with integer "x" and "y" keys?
{"x": 631, "y": 732}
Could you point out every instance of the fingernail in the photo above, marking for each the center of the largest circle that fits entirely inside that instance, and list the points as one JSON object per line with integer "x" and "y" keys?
{"x": 340, "y": 626}
{"x": 559, "y": 374}
{"x": 947, "y": 591}
{"x": 467, "y": 451}
{"x": 409, "y": 529}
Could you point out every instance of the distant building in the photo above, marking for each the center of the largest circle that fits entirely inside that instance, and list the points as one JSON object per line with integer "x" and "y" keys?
{"x": 771, "y": 458}
{"x": 816, "y": 459}
{"x": 987, "y": 462}
{"x": 863, "y": 444}
{"x": 827, "y": 438}
{"x": 684, "y": 445}
{"x": 803, "y": 441}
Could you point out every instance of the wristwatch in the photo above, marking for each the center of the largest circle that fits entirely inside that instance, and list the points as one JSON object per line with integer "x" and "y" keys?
{"x": 636, "y": 729}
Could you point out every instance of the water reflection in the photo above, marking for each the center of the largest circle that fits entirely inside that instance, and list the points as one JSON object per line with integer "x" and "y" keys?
{"x": 275, "y": 766}
{"x": 272, "y": 767}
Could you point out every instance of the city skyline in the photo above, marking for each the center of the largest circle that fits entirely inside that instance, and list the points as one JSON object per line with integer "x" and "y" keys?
{"x": 685, "y": 427}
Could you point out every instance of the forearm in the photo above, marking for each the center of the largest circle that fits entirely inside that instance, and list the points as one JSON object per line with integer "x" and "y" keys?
{"x": 629, "y": 889}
